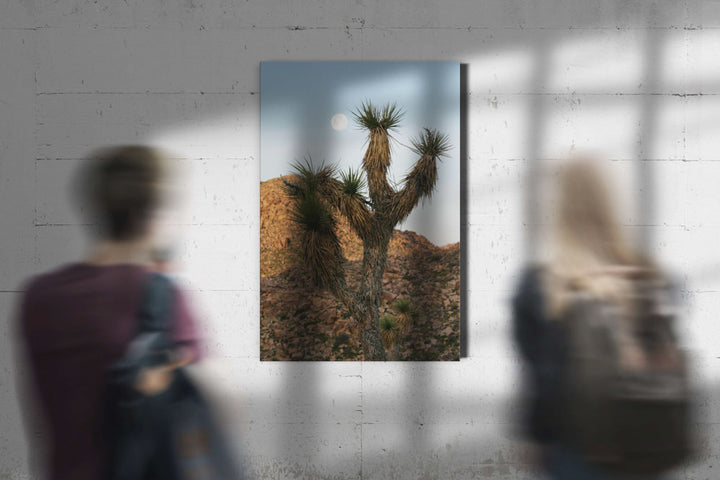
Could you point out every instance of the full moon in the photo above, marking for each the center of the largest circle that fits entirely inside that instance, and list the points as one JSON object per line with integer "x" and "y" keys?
{"x": 339, "y": 121}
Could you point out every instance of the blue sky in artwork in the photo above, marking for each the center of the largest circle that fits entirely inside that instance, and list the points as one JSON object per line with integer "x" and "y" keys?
{"x": 306, "y": 112}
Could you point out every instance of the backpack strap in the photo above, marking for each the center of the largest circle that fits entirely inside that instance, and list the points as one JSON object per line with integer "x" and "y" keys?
{"x": 156, "y": 307}
{"x": 152, "y": 344}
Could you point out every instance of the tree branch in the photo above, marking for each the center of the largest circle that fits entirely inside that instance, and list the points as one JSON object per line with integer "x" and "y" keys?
{"x": 417, "y": 184}
{"x": 420, "y": 182}
{"x": 375, "y": 164}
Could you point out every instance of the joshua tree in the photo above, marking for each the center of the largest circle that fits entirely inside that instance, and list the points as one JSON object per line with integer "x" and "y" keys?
{"x": 320, "y": 194}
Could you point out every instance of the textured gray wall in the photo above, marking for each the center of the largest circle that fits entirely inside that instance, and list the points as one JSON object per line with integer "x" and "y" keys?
{"x": 631, "y": 79}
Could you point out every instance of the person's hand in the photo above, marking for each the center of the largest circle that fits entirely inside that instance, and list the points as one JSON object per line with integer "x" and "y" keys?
{"x": 155, "y": 380}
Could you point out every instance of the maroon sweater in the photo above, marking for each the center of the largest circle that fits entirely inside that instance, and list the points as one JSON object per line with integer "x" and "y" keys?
{"x": 74, "y": 323}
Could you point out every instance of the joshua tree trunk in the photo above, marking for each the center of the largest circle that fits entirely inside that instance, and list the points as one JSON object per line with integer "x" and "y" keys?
{"x": 373, "y": 268}
{"x": 370, "y": 337}
{"x": 318, "y": 194}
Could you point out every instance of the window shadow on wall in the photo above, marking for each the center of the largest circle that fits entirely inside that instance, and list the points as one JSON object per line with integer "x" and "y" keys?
{"x": 422, "y": 409}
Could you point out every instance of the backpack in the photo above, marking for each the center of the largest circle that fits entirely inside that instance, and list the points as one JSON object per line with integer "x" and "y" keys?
{"x": 172, "y": 435}
{"x": 626, "y": 394}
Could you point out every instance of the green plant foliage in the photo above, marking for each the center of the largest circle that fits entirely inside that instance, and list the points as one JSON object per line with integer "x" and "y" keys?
{"x": 402, "y": 305}
{"x": 322, "y": 256}
{"x": 387, "y": 322}
{"x": 388, "y": 331}
{"x": 353, "y": 183}
{"x": 310, "y": 212}
{"x": 370, "y": 117}
{"x": 432, "y": 143}
{"x": 405, "y": 310}
{"x": 310, "y": 177}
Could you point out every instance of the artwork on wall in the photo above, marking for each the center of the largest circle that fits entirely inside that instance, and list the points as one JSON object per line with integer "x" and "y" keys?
{"x": 360, "y": 211}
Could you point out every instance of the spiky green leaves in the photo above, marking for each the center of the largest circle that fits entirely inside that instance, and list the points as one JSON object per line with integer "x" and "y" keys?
{"x": 353, "y": 183}
{"x": 310, "y": 178}
{"x": 388, "y": 330}
{"x": 372, "y": 118}
{"x": 353, "y": 205}
{"x": 431, "y": 143}
{"x": 323, "y": 258}
{"x": 387, "y": 322}
{"x": 319, "y": 244}
{"x": 359, "y": 217}
{"x": 404, "y": 308}
{"x": 402, "y": 305}
{"x": 378, "y": 122}
{"x": 311, "y": 213}
{"x": 420, "y": 182}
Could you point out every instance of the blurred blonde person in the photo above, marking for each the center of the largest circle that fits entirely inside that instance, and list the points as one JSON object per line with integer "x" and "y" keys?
{"x": 587, "y": 252}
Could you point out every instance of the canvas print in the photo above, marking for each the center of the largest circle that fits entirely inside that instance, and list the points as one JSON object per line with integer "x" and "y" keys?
{"x": 360, "y": 211}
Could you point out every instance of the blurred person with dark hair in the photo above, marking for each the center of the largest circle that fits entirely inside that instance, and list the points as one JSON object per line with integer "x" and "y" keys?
{"x": 589, "y": 258}
{"x": 77, "y": 320}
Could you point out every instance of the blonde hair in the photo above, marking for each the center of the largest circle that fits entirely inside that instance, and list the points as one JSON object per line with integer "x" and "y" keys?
{"x": 591, "y": 253}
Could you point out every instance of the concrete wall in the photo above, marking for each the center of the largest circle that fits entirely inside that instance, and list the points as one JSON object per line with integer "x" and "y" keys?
{"x": 632, "y": 79}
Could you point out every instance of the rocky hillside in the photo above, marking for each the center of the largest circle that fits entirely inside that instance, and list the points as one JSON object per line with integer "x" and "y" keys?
{"x": 300, "y": 322}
